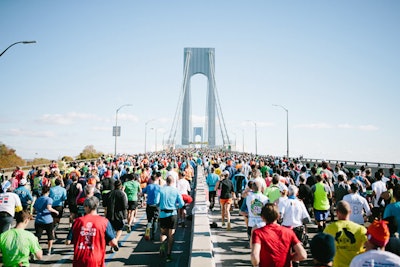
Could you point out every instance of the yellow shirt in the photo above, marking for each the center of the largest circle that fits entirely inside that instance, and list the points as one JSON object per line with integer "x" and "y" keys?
{"x": 349, "y": 240}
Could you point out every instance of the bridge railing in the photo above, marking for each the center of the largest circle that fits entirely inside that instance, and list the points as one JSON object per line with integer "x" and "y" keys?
{"x": 355, "y": 163}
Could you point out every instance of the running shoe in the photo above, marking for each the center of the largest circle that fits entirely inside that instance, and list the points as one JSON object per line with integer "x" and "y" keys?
{"x": 163, "y": 249}
{"x": 49, "y": 252}
{"x": 228, "y": 227}
{"x": 169, "y": 258}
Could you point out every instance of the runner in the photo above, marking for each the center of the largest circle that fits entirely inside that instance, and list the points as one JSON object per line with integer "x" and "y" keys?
{"x": 168, "y": 200}
{"x": 17, "y": 244}
{"x": 116, "y": 209}
{"x": 44, "y": 219}
{"x": 89, "y": 235}
{"x": 132, "y": 190}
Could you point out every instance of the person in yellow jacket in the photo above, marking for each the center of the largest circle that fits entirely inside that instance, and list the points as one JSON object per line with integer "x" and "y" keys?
{"x": 349, "y": 236}
{"x": 322, "y": 194}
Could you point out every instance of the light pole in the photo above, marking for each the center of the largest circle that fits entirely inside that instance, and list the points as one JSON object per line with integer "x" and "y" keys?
{"x": 155, "y": 138}
{"x": 255, "y": 133}
{"x": 243, "y": 140}
{"x": 20, "y": 42}
{"x": 287, "y": 128}
{"x": 145, "y": 134}
{"x": 163, "y": 139}
{"x": 117, "y": 131}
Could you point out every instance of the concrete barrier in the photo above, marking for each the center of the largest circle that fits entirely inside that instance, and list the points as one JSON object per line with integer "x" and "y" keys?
{"x": 201, "y": 246}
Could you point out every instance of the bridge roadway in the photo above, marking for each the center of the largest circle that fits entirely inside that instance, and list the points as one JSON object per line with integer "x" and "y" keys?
{"x": 195, "y": 245}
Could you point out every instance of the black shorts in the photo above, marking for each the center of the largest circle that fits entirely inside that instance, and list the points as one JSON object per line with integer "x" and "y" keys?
{"x": 132, "y": 205}
{"x": 73, "y": 209}
{"x": 117, "y": 225}
{"x": 39, "y": 230}
{"x": 60, "y": 210}
{"x": 152, "y": 212}
{"x": 169, "y": 222}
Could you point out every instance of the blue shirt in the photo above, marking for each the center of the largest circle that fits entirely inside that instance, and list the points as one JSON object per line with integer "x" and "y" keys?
{"x": 43, "y": 215}
{"x": 152, "y": 191}
{"x": 59, "y": 195}
{"x": 169, "y": 200}
{"x": 393, "y": 209}
{"x": 211, "y": 181}
{"x": 24, "y": 194}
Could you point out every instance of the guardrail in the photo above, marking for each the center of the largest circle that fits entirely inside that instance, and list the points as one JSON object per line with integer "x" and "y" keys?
{"x": 355, "y": 163}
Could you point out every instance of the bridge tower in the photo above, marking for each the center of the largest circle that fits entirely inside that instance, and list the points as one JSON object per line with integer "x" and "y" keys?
{"x": 199, "y": 61}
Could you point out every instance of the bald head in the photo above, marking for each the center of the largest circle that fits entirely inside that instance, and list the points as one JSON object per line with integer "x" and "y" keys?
{"x": 257, "y": 185}
{"x": 343, "y": 210}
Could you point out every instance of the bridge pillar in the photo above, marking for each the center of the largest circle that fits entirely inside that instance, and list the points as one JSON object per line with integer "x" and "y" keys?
{"x": 199, "y": 61}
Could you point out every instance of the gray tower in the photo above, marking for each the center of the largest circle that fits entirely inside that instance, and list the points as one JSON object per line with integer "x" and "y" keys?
{"x": 199, "y": 60}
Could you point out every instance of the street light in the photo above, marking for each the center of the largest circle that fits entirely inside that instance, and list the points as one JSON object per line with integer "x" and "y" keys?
{"x": 255, "y": 132}
{"x": 145, "y": 134}
{"x": 155, "y": 140}
{"x": 287, "y": 128}
{"x": 20, "y": 42}
{"x": 117, "y": 131}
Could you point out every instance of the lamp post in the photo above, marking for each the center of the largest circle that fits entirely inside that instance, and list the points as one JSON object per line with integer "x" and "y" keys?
{"x": 287, "y": 128}
{"x": 255, "y": 133}
{"x": 145, "y": 134}
{"x": 117, "y": 131}
{"x": 20, "y": 42}
{"x": 155, "y": 138}
{"x": 243, "y": 140}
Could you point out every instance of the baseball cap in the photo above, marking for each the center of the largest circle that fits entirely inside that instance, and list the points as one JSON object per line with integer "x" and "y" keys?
{"x": 23, "y": 181}
{"x": 378, "y": 233}
{"x": 283, "y": 187}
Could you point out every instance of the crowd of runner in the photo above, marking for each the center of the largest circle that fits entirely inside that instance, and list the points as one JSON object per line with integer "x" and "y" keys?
{"x": 277, "y": 198}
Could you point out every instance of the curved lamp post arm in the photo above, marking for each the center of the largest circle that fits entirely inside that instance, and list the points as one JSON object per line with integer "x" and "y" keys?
{"x": 145, "y": 134}
{"x": 20, "y": 42}
{"x": 287, "y": 128}
{"x": 116, "y": 125}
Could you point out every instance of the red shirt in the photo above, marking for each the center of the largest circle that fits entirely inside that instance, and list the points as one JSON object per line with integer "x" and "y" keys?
{"x": 18, "y": 174}
{"x": 89, "y": 236}
{"x": 276, "y": 242}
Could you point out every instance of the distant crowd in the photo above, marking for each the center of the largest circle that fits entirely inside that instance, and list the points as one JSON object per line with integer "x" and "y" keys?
{"x": 356, "y": 211}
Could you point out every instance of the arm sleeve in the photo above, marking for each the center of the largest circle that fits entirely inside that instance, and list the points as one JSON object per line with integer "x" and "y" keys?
{"x": 243, "y": 208}
{"x": 70, "y": 236}
{"x": 109, "y": 232}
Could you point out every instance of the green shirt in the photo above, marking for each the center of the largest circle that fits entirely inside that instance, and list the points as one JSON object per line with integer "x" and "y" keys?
{"x": 16, "y": 244}
{"x": 321, "y": 200}
{"x": 132, "y": 189}
{"x": 273, "y": 193}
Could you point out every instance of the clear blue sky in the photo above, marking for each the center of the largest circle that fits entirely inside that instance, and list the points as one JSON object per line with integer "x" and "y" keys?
{"x": 334, "y": 64}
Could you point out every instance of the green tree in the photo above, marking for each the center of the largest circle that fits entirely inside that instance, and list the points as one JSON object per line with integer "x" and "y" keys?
{"x": 8, "y": 157}
{"x": 89, "y": 153}
{"x": 67, "y": 159}
{"x": 38, "y": 161}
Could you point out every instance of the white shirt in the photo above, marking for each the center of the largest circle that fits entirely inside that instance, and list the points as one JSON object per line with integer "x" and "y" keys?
{"x": 293, "y": 212}
{"x": 183, "y": 186}
{"x": 378, "y": 187}
{"x": 376, "y": 258}
{"x": 9, "y": 201}
{"x": 358, "y": 205}
{"x": 254, "y": 203}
